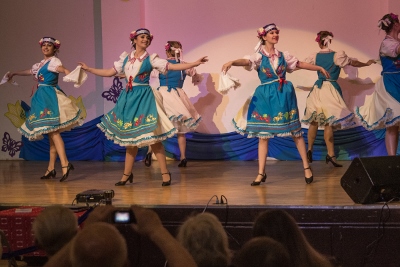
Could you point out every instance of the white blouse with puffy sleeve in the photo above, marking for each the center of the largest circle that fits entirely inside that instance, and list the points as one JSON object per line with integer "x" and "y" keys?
{"x": 340, "y": 58}
{"x": 255, "y": 60}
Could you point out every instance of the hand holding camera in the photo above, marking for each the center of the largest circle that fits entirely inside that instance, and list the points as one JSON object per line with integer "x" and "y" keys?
{"x": 123, "y": 217}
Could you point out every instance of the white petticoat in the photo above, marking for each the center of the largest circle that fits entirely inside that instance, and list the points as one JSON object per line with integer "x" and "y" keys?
{"x": 179, "y": 109}
{"x": 380, "y": 109}
{"x": 326, "y": 106}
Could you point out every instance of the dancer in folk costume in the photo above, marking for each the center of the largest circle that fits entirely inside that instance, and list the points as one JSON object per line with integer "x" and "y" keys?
{"x": 272, "y": 109}
{"x": 138, "y": 118}
{"x": 325, "y": 105}
{"x": 177, "y": 105}
{"x": 382, "y": 108}
{"x": 51, "y": 112}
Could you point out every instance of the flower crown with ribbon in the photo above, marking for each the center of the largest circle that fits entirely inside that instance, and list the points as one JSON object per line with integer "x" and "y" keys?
{"x": 262, "y": 32}
{"x": 52, "y": 40}
{"x": 388, "y": 21}
{"x": 140, "y": 31}
{"x": 175, "y": 50}
{"x": 326, "y": 40}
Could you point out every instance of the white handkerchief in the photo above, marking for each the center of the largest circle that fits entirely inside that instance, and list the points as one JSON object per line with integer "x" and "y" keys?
{"x": 5, "y": 79}
{"x": 227, "y": 82}
{"x": 77, "y": 76}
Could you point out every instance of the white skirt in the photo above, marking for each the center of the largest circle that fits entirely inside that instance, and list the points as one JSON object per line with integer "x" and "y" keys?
{"x": 326, "y": 106}
{"x": 380, "y": 109}
{"x": 179, "y": 109}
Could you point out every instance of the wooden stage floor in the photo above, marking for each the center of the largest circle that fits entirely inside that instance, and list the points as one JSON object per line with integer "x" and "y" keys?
{"x": 20, "y": 184}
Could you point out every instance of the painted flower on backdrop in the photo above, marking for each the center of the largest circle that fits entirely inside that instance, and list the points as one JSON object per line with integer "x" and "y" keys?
{"x": 115, "y": 90}
{"x": 10, "y": 145}
{"x": 16, "y": 114}
{"x": 79, "y": 103}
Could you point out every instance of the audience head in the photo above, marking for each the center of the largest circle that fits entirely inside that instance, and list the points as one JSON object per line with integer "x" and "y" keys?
{"x": 54, "y": 227}
{"x": 206, "y": 240}
{"x": 98, "y": 245}
{"x": 262, "y": 252}
{"x": 280, "y": 226}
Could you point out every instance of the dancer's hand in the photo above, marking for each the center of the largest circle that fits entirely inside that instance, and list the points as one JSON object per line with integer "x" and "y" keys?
{"x": 9, "y": 75}
{"x": 325, "y": 73}
{"x": 201, "y": 61}
{"x": 83, "y": 66}
{"x": 226, "y": 66}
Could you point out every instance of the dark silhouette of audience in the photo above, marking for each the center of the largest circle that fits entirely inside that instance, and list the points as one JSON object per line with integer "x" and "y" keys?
{"x": 100, "y": 244}
{"x": 201, "y": 240}
{"x": 206, "y": 240}
{"x": 262, "y": 252}
{"x": 54, "y": 227}
{"x": 280, "y": 226}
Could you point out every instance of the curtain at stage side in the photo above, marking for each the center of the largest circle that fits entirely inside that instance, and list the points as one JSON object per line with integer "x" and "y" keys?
{"x": 87, "y": 142}
{"x": 351, "y": 143}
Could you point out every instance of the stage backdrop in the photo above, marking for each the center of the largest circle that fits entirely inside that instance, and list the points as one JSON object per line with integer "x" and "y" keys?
{"x": 96, "y": 32}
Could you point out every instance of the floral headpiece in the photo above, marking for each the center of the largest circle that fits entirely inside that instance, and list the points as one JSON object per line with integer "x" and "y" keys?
{"x": 134, "y": 34}
{"x": 388, "y": 21}
{"x": 264, "y": 30}
{"x": 326, "y": 39}
{"x": 175, "y": 50}
{"x": 52, "y": 40}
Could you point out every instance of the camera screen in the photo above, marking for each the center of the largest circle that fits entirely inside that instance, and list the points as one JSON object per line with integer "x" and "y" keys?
{"x": 122, "y": 217}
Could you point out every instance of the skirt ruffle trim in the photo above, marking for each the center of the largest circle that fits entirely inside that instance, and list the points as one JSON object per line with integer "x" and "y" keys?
{"x": 190, "y": 123}
{"x": 38, "y": 135}
{"x": 384, "y": 122}
{"x": 139, "y": 141}
{"x": 343, "y": 123}
{"x": 266, "y": 135}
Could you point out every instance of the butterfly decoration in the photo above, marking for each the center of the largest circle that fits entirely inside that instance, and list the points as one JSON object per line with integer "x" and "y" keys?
{"x": 10, "y": 145}
{"x": 114, "y": 92}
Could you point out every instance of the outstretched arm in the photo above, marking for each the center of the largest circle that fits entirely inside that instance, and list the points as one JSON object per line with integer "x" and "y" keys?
{"x": 19, "y": 73}
{"x": 98, "y": 72}
{"x": 149, "y": 224}
{"x": 62, "y": 69}
{"x": 358, "y": 64}
{"x": 237, "y": 62}
{"x": 184, "y": 66}
{"x": 308, "y": 66}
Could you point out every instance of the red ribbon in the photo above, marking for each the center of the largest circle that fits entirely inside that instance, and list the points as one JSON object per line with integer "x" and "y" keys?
{"x": 129, "y": 84}
{"x": 281, "y": 82}
{"x": 33, "y": 89}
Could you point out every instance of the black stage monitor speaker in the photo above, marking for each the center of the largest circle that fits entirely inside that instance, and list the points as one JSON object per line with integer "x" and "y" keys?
{"x": 370, "y": 180}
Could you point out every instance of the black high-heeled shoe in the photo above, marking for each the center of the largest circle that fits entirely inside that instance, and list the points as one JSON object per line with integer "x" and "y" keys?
{"x": 69, "y": 167}
{"x": 50, "y": 174}
{"x": 330, "y": 159}
{"x": 167, "y": 183}
{"x": 130, "y": 179}
{"x": 309, "y": 156}
{"x": 264, "y": 177}
{"x": 147, "y": 160}
{"x": 183, "y": 163}
{"x": 309, "y": 180}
